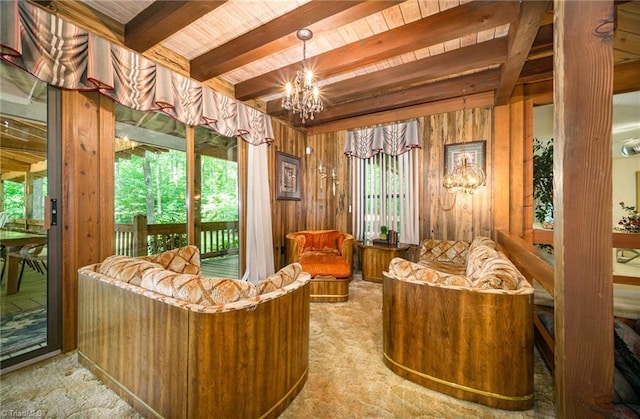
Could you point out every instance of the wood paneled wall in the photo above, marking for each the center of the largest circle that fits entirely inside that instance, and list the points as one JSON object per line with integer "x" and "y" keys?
{"x": 286, "y": 215}
{"x": 440, "y": 216}
{"x": 454, "y": 216}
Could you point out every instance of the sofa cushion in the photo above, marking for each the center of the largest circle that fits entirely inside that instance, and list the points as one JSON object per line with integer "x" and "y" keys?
{"x": 197, "y": 289}
{"x": 282, "y": 278}
{"x": 325, "y": 263}
{"x": 444, "y": 251}
{"x": 482, "y": 241}
{"x": 126, "y": 268}
{"x": 478, "y": 259}
{"x": 627, "y": 354}
{"x": 491, "y": 269}
{"x": 183, "y": 260}
{"x": 444, "y": 267}
{"x": 622, "y": 390}
{"x": 322, "y": 241}
{"x": 404, "y": 269}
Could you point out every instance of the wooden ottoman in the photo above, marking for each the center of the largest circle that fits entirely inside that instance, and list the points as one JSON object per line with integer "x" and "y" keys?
{"x": 329, "y": 289}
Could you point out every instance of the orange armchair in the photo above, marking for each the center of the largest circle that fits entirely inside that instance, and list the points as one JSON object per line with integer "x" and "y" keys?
{"x": 327, "y": 255}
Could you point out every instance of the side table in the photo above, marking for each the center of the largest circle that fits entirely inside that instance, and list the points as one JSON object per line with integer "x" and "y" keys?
{"x": 375, "y": 259}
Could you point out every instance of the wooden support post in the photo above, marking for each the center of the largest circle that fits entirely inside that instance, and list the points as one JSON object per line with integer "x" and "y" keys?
{"x": 583, "y": 100}
{"x": 140, "y": 235}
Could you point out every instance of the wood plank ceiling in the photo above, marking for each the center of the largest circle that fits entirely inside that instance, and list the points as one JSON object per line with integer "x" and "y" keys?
{"x": 368, "y": 56}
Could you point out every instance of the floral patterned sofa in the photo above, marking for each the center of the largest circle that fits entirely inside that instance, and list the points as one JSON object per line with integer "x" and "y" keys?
{"x": 461, "y": 322}
{"x": 176, "y": 344}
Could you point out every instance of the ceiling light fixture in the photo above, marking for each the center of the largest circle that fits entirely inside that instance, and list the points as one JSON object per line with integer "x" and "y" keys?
{"x": 466, "y": 176}
{"x": 303, "y": 96}
{"x": 631, "y": 147}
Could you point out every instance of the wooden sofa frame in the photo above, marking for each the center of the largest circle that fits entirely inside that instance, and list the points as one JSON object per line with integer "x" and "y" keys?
{"x": 172, "y": 361}
{"x": 475, "y": 346}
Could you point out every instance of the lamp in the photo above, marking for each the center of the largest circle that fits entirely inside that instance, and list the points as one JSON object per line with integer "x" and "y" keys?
{"x": 465, "y": 176}
{"x": 334, "y": 180}
{"x": 322, "y": 172}
{"x": 303, "y": 96}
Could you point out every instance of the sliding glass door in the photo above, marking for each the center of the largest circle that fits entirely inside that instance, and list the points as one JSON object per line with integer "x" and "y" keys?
{"x": 29, "y": 237}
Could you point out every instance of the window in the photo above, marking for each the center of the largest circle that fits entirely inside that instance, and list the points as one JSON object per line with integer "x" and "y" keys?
{"x": 385, "y": 195}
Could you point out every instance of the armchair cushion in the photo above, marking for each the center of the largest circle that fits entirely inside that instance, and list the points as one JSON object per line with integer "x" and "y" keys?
{"x": 321, "y": 252}
{"x": 323, "y": 241}
{"x": 325, "y": 263}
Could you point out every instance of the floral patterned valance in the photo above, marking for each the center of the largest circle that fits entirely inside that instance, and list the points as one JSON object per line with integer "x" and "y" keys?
{"x": 392, "y": 139}
{"x": 68, "y": 57}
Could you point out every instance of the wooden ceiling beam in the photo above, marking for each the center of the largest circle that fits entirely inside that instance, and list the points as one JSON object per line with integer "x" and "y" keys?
{"x": 470, "y": 17}
{"x": 521, "y": 36}
{"x": 543, "y": 44}
{"x": 17, "y": 144}
{"x": 280, "y": 34}
{"x": 537, "y": 70}
{"x": 416, "y": 111}
{"x": 14, "y": 165}
{"x": 482, "y": 55}
{"x": 162, "y": 19}
{"x": 474, "y": 83}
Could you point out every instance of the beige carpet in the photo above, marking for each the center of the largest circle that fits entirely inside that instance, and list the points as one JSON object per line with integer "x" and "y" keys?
{"x": 347, "y": 378}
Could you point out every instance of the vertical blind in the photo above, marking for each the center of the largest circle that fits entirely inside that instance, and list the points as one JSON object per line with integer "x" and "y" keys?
{"x": 385, "y": 180}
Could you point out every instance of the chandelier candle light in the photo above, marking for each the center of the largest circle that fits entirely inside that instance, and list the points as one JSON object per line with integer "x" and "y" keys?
{"x": 466, "y": 176}
{"x": 303, "y": 96}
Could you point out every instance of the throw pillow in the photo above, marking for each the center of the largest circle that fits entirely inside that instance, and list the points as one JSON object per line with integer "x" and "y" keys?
{"x": 482, "y": 241}
{"x": 404, "y": 269}
{"x": 444, "y": 251}
{"x": 282, "y": 278}
{"x": 197, "y": 289}
{"x": 183, "y": 260}
{"x": 126, "y": 268}
{"x": 494, "y": 272}
{"x": 627, "y": 354}
{"x": 478, "y": 259}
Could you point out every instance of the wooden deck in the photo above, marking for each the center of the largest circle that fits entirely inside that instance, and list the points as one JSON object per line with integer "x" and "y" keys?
{"x": 32, "y": 294}
{"x": 221, "y": 266}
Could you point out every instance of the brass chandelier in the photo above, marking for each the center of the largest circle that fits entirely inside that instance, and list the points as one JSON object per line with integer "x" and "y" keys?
{"x": 466, "y": 176}
{"x": 303, "y": 96}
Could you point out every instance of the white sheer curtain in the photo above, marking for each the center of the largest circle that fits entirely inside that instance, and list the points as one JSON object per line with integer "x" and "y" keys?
{"x": 259, "y": 242}
{"x": 385, "y": 186}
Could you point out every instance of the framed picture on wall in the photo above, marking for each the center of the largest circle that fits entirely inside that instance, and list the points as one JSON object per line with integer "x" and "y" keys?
{"x": 474, "y": 151}
{"x": 288, "y": 177}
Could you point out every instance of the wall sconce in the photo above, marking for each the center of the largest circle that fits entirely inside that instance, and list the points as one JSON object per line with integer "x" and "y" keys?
{"x": 322, "y": 172}
{"x": 334, "y": 180}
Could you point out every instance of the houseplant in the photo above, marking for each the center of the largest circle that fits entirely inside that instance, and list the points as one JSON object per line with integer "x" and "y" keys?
{"x": 629, "y": 223}
{"x": 543, "y": 180}
{"x": 383, "y": 232}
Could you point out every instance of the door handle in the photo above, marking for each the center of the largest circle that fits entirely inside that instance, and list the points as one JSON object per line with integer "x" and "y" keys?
{"x": 50, "y": 212}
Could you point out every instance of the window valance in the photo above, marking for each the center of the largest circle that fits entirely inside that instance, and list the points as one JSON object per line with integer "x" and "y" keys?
{"x": 69, "y": 57}
{"x": 392, "y": 139}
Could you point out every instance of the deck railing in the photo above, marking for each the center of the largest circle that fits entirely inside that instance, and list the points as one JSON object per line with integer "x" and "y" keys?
{"x": 29, "y": 225}
{"x": 139, "y": 239}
